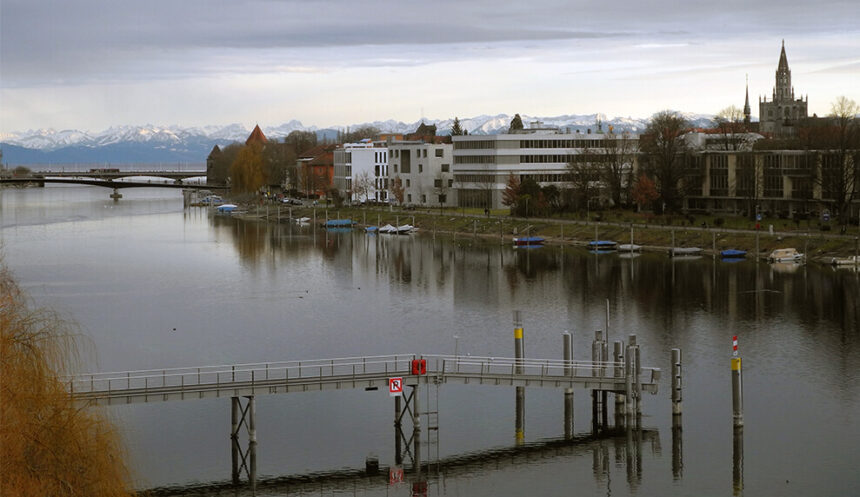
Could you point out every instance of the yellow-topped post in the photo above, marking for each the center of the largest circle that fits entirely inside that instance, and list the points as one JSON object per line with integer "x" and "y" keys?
{"x": 737, "y": 386}
{"x": 519, "y": 349}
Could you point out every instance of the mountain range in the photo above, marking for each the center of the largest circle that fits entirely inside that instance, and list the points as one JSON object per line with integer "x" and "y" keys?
{"x": 176, "y": 144}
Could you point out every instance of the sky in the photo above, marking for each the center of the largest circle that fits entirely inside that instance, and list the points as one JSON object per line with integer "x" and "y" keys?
{"x": 92, "y": 64}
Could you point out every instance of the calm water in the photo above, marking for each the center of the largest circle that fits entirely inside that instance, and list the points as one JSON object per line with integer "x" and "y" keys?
{"x": 129, "y": 273}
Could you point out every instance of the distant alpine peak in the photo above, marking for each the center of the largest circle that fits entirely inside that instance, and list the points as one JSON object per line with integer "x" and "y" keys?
{"x": 47, "y": 139}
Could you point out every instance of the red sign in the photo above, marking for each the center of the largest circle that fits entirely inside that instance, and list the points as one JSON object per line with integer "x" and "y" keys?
{"x": 735, "y": 345}
{"x": 395, "y": 386}
{"x": 395, "y": 475}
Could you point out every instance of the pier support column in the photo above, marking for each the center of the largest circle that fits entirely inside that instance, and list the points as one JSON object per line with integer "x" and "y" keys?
{"x": 568, "y": 392}
{"x": 243, "y": 459}
{"x": 416, "y": 432}
{"x": 116, "y": 195}
{"x": 398, "y": 450}
{"x": 597, "y": 398}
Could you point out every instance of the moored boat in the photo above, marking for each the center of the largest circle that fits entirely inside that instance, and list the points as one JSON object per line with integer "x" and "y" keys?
{"x": 339, "y": 223}
{"x": 629, "y": 247}
{"x": 387, "y": 229}
{"x": 404, "y": 229}
{"x": 528, "y": 241}
{"x": 684, "y": 251}
{"x": 602, "y": 245}
{"x": 226, "y": 208}
{"x": 733, "y": 254}
{"x": 846, "y": 261}
{"x": 785, "y": 255}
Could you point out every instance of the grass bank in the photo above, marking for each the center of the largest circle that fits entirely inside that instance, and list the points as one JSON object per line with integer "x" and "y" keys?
{"x": 652, "y": 232}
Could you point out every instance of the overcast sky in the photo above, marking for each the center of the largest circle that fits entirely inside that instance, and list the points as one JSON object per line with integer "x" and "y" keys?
{"x": 91, "y": 64}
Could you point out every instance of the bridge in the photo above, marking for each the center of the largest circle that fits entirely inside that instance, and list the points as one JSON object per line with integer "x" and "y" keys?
{"x": 115, "y": 173}
{"x": 623, "y": 376}
{"x": 371, "y": 372}
{"x": 116, "y": 184}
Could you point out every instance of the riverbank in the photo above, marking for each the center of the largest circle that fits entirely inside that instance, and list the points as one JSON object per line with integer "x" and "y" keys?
{"x": 819, "y": 246}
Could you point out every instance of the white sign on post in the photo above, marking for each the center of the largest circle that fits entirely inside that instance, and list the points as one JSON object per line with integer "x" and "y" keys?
{"x": 395, "y": 387}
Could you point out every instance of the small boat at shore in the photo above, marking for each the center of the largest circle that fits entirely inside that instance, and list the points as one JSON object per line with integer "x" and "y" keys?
{"x": 527, "y": 241}
{"x": 629, "y": 247}
{"x": 684, "y": 251}
{"x": 845, "y": 261}
{"x": 733, "y": 254}
{"x": 404, "y": 229}
{"x": 387, "y": 229}
{"x": 303, "y": 220}
{"x": 371, "y": 229}
{"x": 226, "y": 208}
{"x": 602, "y": 245}
{"x": 785, "y": 255}
{"x": 339, "y": 223}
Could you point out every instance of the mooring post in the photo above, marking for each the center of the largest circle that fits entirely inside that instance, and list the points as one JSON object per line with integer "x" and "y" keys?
{"x": 628, "y": 384}
{"x": 597, "y": 371}
{"x": 562, "y": 232}
{"x": 474, "y": 228}
{"x": 714, "y": 244}
{"x": 234, "y": 438}
{"x": 856, "y": 251}
{"x": 738, "y": 460}
{"x": 677, "y": 448}
{"x": 756, "y": 246}
{"x": 595, "y": 232}
{"x": 673, "y": 242}
{"x": 631, "y": 238}
{"x": 377, "y": 220}
{"x": 520, "y": 427}
{"x": 364, "y": 218}
{"x": 618, "y": 358}
{"x": 398, "y": 451}
{"x": 567, "y": 348}
{"x": 604, "y": 394}
{"x": 737, "y": 392}
{"x": 676, "y": 382}
{"x": 638, "y": 382}
{"x": 519, "y": 348}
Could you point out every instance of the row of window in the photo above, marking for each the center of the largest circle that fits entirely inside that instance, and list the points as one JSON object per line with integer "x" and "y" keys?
{"x": 406, "y": 168}
{"x": 419, "y": 152}
{"x": 581, "y": 143}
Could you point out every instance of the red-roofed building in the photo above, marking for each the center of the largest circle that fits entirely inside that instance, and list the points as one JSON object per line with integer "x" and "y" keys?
{"x": 316, "y": 170}
{"x": 257, "y": 136}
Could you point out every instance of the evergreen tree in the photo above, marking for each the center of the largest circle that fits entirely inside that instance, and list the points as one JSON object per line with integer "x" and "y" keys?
{"x": 456, "y": 130}
{"x": 516, "y": 123}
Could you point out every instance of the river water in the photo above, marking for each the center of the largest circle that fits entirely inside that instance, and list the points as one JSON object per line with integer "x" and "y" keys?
{"x": 153, "y": 285}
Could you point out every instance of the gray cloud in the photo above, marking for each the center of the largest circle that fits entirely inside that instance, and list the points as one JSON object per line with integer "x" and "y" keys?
{"x": 58, "y": 42}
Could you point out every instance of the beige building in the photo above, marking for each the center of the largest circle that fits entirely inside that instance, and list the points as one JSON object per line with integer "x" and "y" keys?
{"x": 425, "y": 172}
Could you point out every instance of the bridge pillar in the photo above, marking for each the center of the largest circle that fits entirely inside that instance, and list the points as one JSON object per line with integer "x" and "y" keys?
{"x": 116, "y": 195}
{"x": 243, "y": 416}
{"x": 618, "y": 358}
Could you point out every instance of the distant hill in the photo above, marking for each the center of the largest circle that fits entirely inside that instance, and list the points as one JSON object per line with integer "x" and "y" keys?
{"x": 166, "y": 144}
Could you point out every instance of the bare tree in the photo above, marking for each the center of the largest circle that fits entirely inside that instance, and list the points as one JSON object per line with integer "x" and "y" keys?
{"x": 361, "y": 185}
{"x": 440, "y": 184}
{"x": 584, "y": 174}
{"x": 397, "y": 190}
{"x": 617, "y": 171}
{"x": 664, "y": 149}
{"x": 734, "y": 134}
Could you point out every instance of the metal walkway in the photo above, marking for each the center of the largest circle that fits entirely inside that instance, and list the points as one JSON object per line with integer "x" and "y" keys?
{"x": 371, "y": 372}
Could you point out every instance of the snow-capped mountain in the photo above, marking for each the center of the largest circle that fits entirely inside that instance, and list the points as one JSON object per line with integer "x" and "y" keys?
{"x": 149, "y": 143}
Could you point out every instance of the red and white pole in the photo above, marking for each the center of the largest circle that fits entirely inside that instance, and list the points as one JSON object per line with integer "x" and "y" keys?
{"x": 737, "y": 386}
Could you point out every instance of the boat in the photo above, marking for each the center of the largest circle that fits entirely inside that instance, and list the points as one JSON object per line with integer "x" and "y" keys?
{"x": 303, "y": 220}
{"x": 602, "y": 245}
{"x": 526, "y": 241}
{"x": 389, "y": 229}
{"x": 629, "y": 247}
{"x": 684, "y": 251}
{"x": 404, "y": 229}
{"x": 339, "y": 223}
{"x": 733, "y": 254}
{"x": 846, "y": 261}
{"x": 226, "y": 208}
{"x": 785, "y": 255}
{"x": 371, "y": 229}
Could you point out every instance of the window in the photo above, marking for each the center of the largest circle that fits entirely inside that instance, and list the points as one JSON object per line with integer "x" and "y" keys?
{"x": 417, "y": 153}
{"x": 446, "y": 168}
{"x": 423, "y": 199}
{"x": 437, "y": 183}
{"x": 408, "y": 183}
{"x": 395, "y": 168}
{"x": 443, "y": 198}
{"x": 450, "y": 183}
{"x": 409, "y": 198}
{"x": 420, "y": 168}
{"x": 425, "y": 153}
{"x": 439, "y": 152}
{"x": 376, "y": 171}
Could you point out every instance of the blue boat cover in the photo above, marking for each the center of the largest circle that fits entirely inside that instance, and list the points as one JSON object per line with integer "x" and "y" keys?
{"x": 334, "y": 223}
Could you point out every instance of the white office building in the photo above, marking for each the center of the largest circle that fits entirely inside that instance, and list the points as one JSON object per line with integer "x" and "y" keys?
{"x": 425, "y": 173}
{"x": 484, "y": 163}
{"x": 360, "y": 171}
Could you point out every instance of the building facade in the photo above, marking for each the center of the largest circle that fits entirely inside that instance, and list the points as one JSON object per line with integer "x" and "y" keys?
{"x": 484, "y": 163}
{"x": 424, "y": 172}
{"x": 780, "y": 115}
{"x": 360, "y": 170}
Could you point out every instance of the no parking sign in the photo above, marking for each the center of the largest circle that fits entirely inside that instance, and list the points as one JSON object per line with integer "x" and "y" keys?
{"x": 395, "y": 387}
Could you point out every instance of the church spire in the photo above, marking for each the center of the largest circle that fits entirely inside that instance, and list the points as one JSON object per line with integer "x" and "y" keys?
{"x": 747, "y": 110}
{"x": 783, "y": 91}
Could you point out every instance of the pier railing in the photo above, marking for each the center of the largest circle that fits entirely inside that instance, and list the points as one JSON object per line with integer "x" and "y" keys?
{"x": 369, "y": 372}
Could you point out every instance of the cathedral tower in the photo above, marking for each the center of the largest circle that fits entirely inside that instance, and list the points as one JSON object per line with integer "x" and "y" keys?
{"x": 780, "y": 115}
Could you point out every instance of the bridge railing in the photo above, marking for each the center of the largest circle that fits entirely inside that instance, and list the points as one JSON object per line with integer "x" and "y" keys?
{"x": 251, "y": 374}
{"x": 544, "y": 368}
